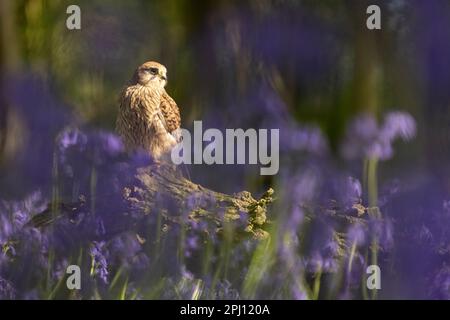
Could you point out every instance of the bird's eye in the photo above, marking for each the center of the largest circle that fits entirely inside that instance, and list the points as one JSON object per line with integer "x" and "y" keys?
{"x": 153, "y": 70}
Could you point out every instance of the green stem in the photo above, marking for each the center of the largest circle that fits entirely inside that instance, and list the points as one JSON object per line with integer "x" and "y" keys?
{"x": 93, "y": 188}
{"x": 372, "y": 182}
{"x": 316, "y": 289}
{"x": 55, "y": 213}
{"x": 372, "y": 185}
{"x": 352, "y": 255}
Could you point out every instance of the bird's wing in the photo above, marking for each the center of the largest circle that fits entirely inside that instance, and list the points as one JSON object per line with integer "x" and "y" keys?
{"x": 170, "y": 112}
{"x": 146, "y": 106}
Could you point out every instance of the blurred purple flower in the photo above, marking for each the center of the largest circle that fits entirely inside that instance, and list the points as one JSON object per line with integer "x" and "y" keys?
{"x": 15, "y": 214}
{"x": 295, "y": 219}
{"x": 446, "y": 207}
{"x": 425, "y": 234}
{"x": 358, "y": 269}
{"x": 325, "y": 251}
{"x": 70, "y": 137}
{"x": 42, "y": 117}
{"x": 100, "y": 230}
{"x": 191, "y": 245}
{"x": 398, "y": 125}
{"x": 7, "y": 291}
{"x": 306, "y": 186}
{"x": 31, "y": 295}
{"x": 199, "y": 199}
{"x": 126, "y": 250}
{"x": 225, "y": 291}
{"x": 364, "y": 139}
{"x": 89, "y": 147}
{"x": 347, "y": 191}
{"x": 319, "y": 262}
{"x": 308, "y": 139}
{"x": 357, "y": 235}
{"x": 383, "y": 229}
{"x": 6, "y": 228}
{"x": 440, "y": 288}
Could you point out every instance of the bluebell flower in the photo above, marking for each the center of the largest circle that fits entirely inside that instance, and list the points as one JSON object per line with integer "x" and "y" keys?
{"x": 440, "y": 286}
{"x": 357, "y": 234}
{"x": 33, "y": 294}
{"x": 347, "y": 191}
{"x": 319, "y": 262}
{"x": 71, "y": 137}
{"x": 126, "y": 250}
{"x": 398, "y": 125}
{"x": 199, "y": 199}
{"x": 100, "y": 230}
{"x": 303, "y": 138}
{"x": 383, "y": 229}
{"x": 41, "y": 117}
{"x": 355, "y": 271}
{"x": 365, "y": 139}
{"x": 7, "y": 291}
{"x": 225, "y": 291}
{"x": 191, "y": 244}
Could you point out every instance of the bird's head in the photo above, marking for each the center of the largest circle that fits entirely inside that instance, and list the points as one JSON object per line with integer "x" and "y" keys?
{"x": 151, "y": 73}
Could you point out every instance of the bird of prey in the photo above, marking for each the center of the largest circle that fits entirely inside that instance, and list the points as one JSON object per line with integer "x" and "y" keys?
{"x": 148, "y": 117}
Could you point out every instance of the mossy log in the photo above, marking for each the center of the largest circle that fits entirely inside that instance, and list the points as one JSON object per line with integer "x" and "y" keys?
{"x": 249, "y": 215}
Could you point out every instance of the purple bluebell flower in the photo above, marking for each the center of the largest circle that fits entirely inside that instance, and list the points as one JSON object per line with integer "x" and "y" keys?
{"x": 7, "y": 291}
{"x": 319, "y": 262}
{"x": 389, "y": 190}
{"x": 199, "y": 199}
{"x": 440, "y": 286}
{"x": 41, "y": 117}
{"x": 355, "y": 270}
{"x": 306, "y": 186}
{"x": 446, "y": 207}
{"x": 59, "y": 268}
{"x": 100, "y": 230}
{"x": 357, "y": 234}
{"x": 308, "y": 139}
{"x": 225, "y": 291}
{"x": 192, "y": 244}
{"x": 365, "y": 139}
{"x": 126, "y": 250}
{"x": 398, "y": 125}
{"x": 383, "y": 229}
{"x": 71, "y": 137}
{"x": 31, "y": 295}
{"x": 295, "y": 218}
{"x": 6, "y": 228}
{"x": 323, "y": 253}
{"x": 81, "y": 149}
{"x": 184, "y": 286}
{"x": 347, "y": 191}
{"x": 425, "y": 234}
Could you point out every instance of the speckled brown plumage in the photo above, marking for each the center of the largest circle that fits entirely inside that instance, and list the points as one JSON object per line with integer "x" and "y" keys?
{"x": 148, "y": 117}
{"x": 171, "y": 112}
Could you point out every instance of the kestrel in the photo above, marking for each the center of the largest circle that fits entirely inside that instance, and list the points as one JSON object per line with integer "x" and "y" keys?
{"x": 148, "y": 117}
